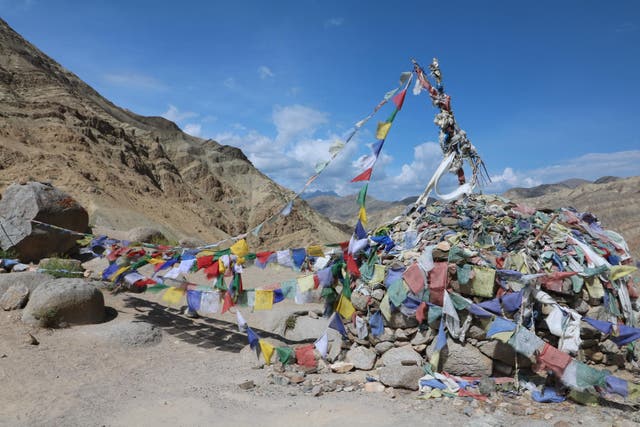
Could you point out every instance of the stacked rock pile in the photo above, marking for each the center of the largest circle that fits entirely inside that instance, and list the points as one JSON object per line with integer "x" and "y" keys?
{"x": 534, "y": 267}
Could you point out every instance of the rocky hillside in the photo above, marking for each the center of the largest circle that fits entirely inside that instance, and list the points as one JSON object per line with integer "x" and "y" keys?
{"x": 541, "y": 190}
{"x": 129, "y": 170}
{"x": 616, "y": 202}
{"x": 345, "y": 209}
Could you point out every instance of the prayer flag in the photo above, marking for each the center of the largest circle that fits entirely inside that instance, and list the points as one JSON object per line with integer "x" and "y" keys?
{"x": 210, "y": 302}
{"x": 336, "y": 324}
{"x": 285, "y": 355}
{"x": 242, "y": 324}
{"x": 267, "y": 351}
{"x": 193, "y": 300}
{"x": 315, "y": 251}
{"x": 173, "y": 296}
{"x": 383, "y": 130}
{"x": 376, "y": 323}
{"x": 227, "y": 303}
{"x": 322, "y": 345}
{"x": 362, "y": 215}
{"x": 361, "y": 327}
{"x": 399, "y": 99}
{"x": 264, "y": 300}
{"x": 345, "y": 308}
{"x": 240, "y": 248}
{"x": 287, "y": 209}
{"x": 362, "y": 195}
{"x": 306, "y": 283}
{"x": 305, "y": 356}
{"x": 364, "y": 176}
{"x": 253, "y": 338}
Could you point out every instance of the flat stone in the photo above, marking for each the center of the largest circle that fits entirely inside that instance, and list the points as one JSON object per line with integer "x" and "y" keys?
{"x": 341, "y": 367}
{"x": 422, "y": 337}
{"x": 247, "y": 385}
{"x": 464, "y": 360}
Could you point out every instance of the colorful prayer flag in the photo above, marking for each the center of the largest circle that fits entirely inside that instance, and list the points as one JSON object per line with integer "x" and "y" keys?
{"x": 267, "y": 351}
{"x": 264, "y": 300}
{"x": 345, "y": 308}
{"x": 173, "y": 296}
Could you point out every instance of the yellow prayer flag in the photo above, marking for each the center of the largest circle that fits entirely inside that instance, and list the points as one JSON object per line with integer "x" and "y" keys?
{"x": 221, "y": 267}
{"x": 362, "y": 215}
{"x": 267, "y": 351}
{"x": 383, "y": 130}
{"x": 385, "y": 307}
{"x": 264, "y": 300}
{"x": 305, "y": 284}
{"x": 173, "y": 296}
{"x": 434, "y": 361}
{"x": 345, "y": 308}
{"x": 118, "y": 272}
{"x": 619, "y": 271}
{"x": 240, "y": 248}
{"x": 205, "y": 252}
{"x": 378, "y": 274}
{"x": 315, "y": 250}
{"x": 156, "y": 261}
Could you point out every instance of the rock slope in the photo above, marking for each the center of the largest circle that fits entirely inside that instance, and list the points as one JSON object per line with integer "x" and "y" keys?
{"x": 129, "y": 170}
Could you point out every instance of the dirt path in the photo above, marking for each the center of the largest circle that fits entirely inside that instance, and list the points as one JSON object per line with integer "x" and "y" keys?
{"x": 192, "y": 378}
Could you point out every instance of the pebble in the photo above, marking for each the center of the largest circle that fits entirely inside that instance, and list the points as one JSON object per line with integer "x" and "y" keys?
{"x": 374, "y": 387}
{"x": 247, "y": 385}
{"x": 316, "y": 391}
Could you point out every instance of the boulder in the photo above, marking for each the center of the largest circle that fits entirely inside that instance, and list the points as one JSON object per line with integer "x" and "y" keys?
{"x": 458, "y": 359}
{"x": 29, "y": 279}
{"x": 38, "y": 201}
{"x": 307, "y": 328}
{"x": 359, "y": 301}
{"x": 146, "y": 235}
{"x": 399, "y": 376}
{"x": 362, "y": 358}
{"x": 64, "y": 301}
{"x": 14, "y": 298}
{"x": 125, "y": 333}
{"x": 397, "y": 355}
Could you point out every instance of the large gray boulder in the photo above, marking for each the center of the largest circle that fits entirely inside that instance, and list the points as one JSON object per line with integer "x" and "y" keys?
{"x": 123, "y": 333}
{"x": 64, "y": 301}
{"x": 42, "y": 202}
{"x": 406, "y": 377}
{"x": 146, "y": 235}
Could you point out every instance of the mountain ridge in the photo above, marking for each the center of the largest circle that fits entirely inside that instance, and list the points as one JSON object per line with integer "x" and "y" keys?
{"x": 131, "y": 170}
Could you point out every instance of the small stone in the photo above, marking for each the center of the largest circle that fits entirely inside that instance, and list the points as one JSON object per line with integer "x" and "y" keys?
{"x": 312, "y": 314}
{"x": 349, "y": 388}
{"x": 281, "y": 380}
{"x": 487, "y": 386}
{"x": 597, "y": 357}
{"x": 316, "y": 391}
{"x": 400, "y": 335}
{"x": 31, "y": 340}
{"x": 421, "y": 338}
{"x": 295, "y": 378}
{"x": 374, "y": 387}
{"x": 247, "y": 385}
{"x": 548, "y": 416}
{"x": 419, "y": 348}
{"x": 341, "y": 367}
{"x": 468, "y": 411}
{"x": 561, "y": 423}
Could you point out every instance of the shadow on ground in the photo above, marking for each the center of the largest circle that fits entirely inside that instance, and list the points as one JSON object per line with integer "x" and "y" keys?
{"x": 203, "y": 332}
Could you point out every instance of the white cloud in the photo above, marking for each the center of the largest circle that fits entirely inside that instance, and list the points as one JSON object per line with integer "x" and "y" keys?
{"x": 296, "y": 121}
{"x": 177, "y": 116}
{"x": 193, "y": 129}
{"x": 589, "y": 166}
{"x": 265, "y": 72}
{"x": 134, "y": 81}
{"x": 334, "y": 22}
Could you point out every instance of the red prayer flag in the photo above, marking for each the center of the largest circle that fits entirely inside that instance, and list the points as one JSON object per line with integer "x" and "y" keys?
{"x": 213, "y": 270}
{"x": 399, "y": 99}
{"x": 204, "y": 261}
{"x": 305, "y": 356}
{"x": 420, "y": 312}
{"x": 227, "y": 304}
{"x": 364, "y": 176}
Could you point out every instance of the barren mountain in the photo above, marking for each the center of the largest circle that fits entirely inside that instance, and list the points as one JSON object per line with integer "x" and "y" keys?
{"x": 616, "y": 203}
{"x": 541, "y": 190}
{"x": 345, "y": 209}
{"x": 129, "y": 170}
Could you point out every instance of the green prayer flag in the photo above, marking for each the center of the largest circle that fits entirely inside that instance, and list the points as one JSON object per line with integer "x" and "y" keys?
{"x": 157, "y": 288}
{"x": 397, "y": 292}
{"x": 346, "y": 287}
{"x": 285, "y": 355}
{"x": 362, "y": 195}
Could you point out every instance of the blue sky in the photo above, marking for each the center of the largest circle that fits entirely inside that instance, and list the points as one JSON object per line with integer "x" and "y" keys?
{"x": 546, "y": 90}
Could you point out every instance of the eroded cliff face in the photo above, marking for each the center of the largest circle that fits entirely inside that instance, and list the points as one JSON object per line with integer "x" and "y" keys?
{"x": 130, "y": 170}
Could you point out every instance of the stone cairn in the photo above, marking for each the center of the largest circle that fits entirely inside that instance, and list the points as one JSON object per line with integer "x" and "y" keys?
{"x": 489, "y": 233}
